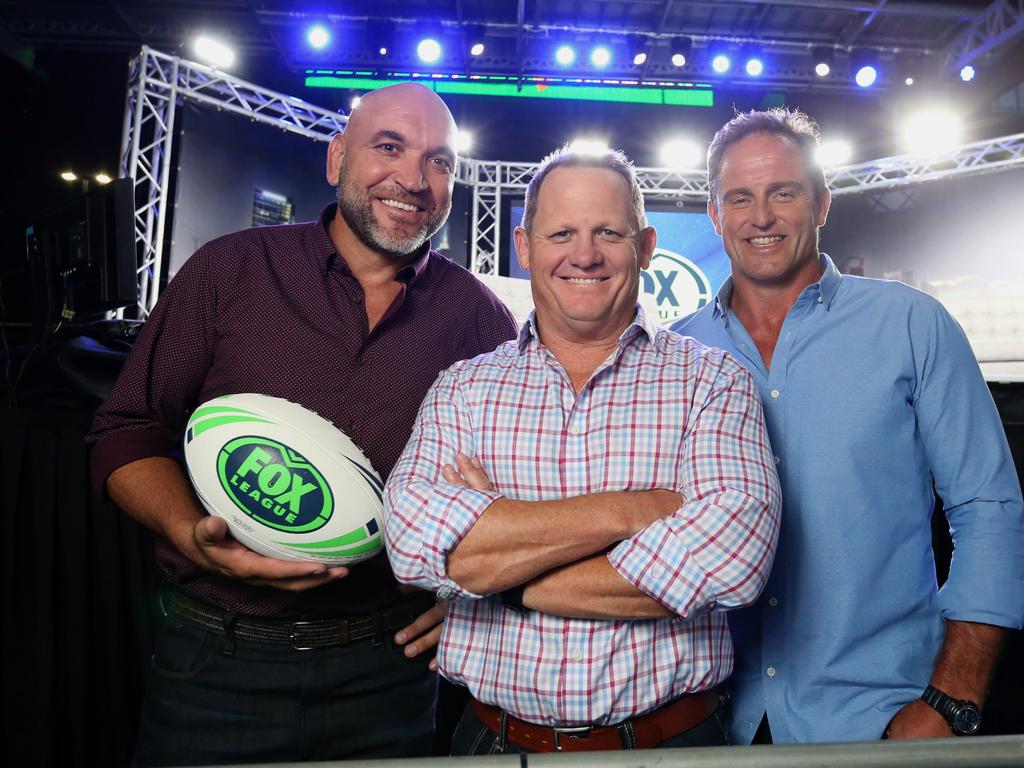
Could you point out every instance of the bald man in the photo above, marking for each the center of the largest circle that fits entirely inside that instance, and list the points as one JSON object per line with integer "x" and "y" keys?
{"x": 352, "y": 316}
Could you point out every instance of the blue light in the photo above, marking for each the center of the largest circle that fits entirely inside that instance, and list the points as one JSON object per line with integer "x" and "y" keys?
{"x": 565, "y": 55}
{"x": 967, "y": 73}
{"x": 429, "y": 50}
{"x": 600, "y": 56}
{"x": 318, "y": 36}
{"x": 866, "y": 76}
{"x": 721, "y": 63}
{"x": 754, "y": 67}
{"x": 477, "y": 49}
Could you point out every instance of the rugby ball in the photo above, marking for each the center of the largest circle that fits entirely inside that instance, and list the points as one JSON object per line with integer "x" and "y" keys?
{"x": 287, "y": 481}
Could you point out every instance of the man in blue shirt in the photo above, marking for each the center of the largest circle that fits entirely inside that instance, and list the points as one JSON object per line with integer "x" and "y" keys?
{"x": 871, "y": 394}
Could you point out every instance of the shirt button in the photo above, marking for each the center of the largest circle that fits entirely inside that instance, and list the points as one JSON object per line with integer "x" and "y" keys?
{"x": 444, "y": 593}
{"x": 773, "y": 601}
{"x": 776, "y": 459}
{"x": 577, "y": 654}
{"x": 770, "y": 671}
{"x": 820, "y": 300}
{"x": 775, "y": 393}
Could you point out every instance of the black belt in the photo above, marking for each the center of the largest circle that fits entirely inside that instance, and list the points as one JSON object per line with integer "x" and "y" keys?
{"x": 301, "y": 634}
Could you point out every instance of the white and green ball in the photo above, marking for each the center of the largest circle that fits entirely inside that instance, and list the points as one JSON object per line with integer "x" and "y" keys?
{"x": 287, "y": 481}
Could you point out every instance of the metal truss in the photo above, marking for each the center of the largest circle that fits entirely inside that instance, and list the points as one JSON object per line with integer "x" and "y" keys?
{"x": 1000, "y": 23}
{"x": 155, "y": 84}
{"x": 490, "y": 179}
{"x": 158, "y": 80}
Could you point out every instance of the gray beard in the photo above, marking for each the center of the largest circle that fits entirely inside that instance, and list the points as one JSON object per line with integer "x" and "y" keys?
{"x": 357, "y": 212}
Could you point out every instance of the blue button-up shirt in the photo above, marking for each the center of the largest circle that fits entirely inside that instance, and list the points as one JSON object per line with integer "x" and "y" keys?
{"x": 873, "y": 394}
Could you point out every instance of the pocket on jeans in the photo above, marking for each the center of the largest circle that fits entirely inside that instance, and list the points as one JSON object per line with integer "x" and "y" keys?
{"x": 183, "y": 652}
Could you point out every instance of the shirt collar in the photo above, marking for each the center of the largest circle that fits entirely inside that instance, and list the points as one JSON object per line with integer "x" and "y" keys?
{"x": 326, "y": 255}
{"x": 826, "y": 286}
{"x": 642, "y": 323}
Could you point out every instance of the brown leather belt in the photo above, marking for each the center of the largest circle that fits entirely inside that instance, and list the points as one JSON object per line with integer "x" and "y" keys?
{"x": 302, "y": 635}
{"x": 643, "y": 732}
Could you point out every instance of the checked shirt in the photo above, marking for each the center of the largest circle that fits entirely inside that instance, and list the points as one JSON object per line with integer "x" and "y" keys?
{"x": 661, "y": 412}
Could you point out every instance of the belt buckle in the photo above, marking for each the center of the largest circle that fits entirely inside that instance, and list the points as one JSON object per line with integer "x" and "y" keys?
{"x": 570, "y": 732}
{"x": 292, "y": 631}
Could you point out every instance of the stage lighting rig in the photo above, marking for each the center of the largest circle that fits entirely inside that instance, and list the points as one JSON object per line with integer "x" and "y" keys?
{"x": 680, "y": 49}
{"x": 864, "y": 66}
{"x": 565, "y": 55}
{"x": 824, "y": 60}
{"x": 932, "y": 131}
{"x": 754, "y": 62}
{"x": 681, "y": 153}
{"x": 601, "y": 56}
{"x": 213, "y": 52}
{"x": 318, "y": 37}
{"x": 833, "y": 153}
{"x": 639, "y": 48}
{"x": 428, "y": 50}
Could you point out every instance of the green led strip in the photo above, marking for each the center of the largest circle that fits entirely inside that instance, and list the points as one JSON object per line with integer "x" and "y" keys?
{"x": 686, "y": 97}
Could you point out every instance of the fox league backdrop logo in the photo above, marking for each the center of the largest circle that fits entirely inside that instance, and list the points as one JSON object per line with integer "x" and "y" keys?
{"x": 677, "y": 284}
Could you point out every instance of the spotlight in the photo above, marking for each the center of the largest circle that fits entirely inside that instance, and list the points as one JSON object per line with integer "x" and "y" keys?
{"x": 866, "y": 76}
{"x": 69, "y": 176}
{"x": 380, "y": 36}
{"x": 721, "y": 63}
{"x": 823, "y": 59}
{"x": 318, "y": 36}
{"x": 639, "y": 48}
{"x": 213, "y": 52}
{"x": 102, "y": 178}
{"x": 754, "y": 67}
{"x": 932, "y": 131}
{"x": 680, "y": 48}
{"x": 587, "y": 146}
{"x": 429, "y": 50}
{"x": 967, "y": 73}
{"x": 909, "y": 81}
{"x": 565, "y": 55}
{"x": 864, "y": 66}
{"x": 680, "y": 153}
{"x": 463, "y": 142}
{"x": 477, "y": 49}
{"x": 834, "y": 153}
{"x": 600, "y": 56}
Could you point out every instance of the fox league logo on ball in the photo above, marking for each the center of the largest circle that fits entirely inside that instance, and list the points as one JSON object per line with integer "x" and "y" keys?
{"x": 677, "y": 284}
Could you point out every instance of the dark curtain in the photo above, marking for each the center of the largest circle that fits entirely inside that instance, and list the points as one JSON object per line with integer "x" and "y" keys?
{"x": 78, "y": 607}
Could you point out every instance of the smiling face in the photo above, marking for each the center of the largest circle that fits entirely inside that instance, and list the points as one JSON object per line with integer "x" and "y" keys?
{"x": 584, "y": 254}
{"x": 394, "y": 167}
{"x": 767, "y": 214}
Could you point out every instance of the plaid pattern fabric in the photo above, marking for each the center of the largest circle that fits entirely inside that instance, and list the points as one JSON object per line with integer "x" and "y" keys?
{"x": 661, "y": 412}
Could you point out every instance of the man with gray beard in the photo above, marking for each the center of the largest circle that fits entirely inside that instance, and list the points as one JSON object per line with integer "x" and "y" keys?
{"x": 352, "y": 316}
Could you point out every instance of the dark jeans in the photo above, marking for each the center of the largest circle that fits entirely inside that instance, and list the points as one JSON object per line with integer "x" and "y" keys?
{"x": 270, "y": 703}
{"x": 472, "y": 737}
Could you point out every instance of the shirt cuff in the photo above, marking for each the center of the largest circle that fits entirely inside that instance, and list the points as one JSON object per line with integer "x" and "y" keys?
{"x": 658, "y": 563}
{"x": 446, "y": 514}
{"x": 114, "y": 451}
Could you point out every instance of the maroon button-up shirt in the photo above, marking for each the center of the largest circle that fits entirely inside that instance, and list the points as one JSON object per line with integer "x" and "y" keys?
{"x": 275, "y": 310}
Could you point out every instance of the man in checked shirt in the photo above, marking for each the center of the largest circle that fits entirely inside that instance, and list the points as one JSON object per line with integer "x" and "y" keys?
{"x": 590, "y": 498}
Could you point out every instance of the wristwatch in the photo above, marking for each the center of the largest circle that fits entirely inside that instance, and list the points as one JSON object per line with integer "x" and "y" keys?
{"x": 963, "y": 716}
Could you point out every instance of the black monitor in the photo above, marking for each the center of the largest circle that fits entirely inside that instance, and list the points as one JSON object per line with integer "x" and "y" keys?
{"x": 83, "y": 258}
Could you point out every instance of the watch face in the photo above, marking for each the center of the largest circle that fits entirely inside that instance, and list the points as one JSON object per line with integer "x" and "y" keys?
{"x": 967, "y": 720}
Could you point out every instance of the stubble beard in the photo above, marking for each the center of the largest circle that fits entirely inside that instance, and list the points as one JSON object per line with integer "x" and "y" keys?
{"x": 356, "y": 208}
